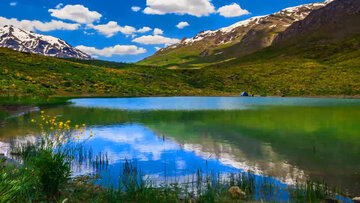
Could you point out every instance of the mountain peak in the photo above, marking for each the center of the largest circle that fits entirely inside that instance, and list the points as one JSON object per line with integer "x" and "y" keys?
{"x": 27, "y": 41}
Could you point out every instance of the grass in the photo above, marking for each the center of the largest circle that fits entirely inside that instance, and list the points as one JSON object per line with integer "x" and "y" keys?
{"x": 310, "y": 69}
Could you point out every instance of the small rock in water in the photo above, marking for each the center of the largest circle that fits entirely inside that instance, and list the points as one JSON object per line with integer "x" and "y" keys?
{"x": 236, "y": 193}
{"x": 356, "y": 199}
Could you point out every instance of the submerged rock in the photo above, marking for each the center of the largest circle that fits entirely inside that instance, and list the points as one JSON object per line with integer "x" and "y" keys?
{"x": 236, "y": 193}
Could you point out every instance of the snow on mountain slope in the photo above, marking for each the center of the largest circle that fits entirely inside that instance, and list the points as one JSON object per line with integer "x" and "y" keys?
{"x": 276, "y": 22}
{"x": 26, "y": 41}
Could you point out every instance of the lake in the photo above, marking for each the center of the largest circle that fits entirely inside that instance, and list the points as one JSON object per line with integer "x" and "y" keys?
{"x": 290, "y": 139}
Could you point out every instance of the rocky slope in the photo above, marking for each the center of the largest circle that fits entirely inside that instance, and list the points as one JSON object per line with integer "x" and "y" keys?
{"x": 236, "y": 40}
{"x": 338, "y": 20}
{"x": 25, "y": 41}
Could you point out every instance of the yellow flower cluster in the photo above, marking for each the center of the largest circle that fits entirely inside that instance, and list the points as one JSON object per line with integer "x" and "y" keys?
{"x": 61, "y": 131}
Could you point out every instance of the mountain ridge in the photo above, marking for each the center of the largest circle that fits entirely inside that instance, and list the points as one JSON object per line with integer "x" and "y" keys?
{"x": 26, "y": 41}
{"x": 234, "y": 41}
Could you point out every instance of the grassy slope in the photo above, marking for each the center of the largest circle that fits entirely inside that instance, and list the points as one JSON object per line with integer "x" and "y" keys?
{"x": 28, "y": 74}
{"x": 309, "y": 68}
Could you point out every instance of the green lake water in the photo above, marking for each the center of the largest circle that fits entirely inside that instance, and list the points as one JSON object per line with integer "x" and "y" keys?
{"x": 290, "y": 139}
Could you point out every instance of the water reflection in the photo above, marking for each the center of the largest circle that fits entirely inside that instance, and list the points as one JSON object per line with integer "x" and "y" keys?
{"x": 288, "y": 138}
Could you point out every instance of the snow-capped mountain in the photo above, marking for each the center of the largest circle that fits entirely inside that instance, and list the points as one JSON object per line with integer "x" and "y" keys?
{"x": 277, "y": 21}
{"x": 247, "y": 36}
{"x": 26, "y": 41}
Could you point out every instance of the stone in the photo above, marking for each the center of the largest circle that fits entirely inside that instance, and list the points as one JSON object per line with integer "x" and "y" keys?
{"x": 236, "y": 193}
{"x": 356, "y": 199}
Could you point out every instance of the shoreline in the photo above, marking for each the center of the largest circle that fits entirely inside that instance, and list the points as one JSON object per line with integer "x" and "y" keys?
{"x": 10, "y": 108}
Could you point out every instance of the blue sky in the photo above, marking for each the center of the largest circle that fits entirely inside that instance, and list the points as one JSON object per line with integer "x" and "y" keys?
{"x": 122, "y": 27}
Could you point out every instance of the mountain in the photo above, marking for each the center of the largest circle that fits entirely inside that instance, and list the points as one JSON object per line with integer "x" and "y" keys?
{"x": 234, "y": 41}
{"x": 25, "y": 41}
{"x": 336, "y": 21}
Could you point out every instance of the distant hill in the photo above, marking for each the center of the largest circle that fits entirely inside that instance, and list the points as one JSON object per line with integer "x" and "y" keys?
{"x": 25, "y": 41}
{"x": 231, "y": 42}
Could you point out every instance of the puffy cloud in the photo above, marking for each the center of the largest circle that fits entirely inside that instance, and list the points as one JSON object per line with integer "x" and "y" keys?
{"x": 13, "y": 3}
{"x": 144, "y": 29}
{"x": 110, "y": 51}
{"x": 77, "y": 13}
{"x": 158, "y": 31}
{"x": 232, "y": 10}
{"x": 33, "y": 25}
{"x": 155, "y": 39}
{"x": 111, "y": 28}
{"x": 192, "y": 7}
{"x": 181, "y": 25}
{"x": 135, "y": 8}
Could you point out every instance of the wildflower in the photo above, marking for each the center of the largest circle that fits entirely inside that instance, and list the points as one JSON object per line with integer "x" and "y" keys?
{"x": 25, "y": 169}
{"x": 83, "y": 125}
{"x": 42, "y": 112}
{"x": 78, "y": 136}
{"x": 65, "y": 141}
{"x": 33, "y": 121}
{"x": 91, "y": 135}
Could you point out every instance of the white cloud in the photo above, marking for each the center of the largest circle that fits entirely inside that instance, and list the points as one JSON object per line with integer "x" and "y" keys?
{"x": 144, "y": 29}
{"x": 89, "y": 33}
{"x": 181, "y": 25}
{"x": 111, "y": 28}
{"x": 77, "y": 13}
{"x": 13, "y": 3}
{"x": 158, "y": 31}
{"x": 192, "y": 7}
{"x": 155, "y": 39}
{"x": 33, "y": 25}
{"x": 232, "y": 10}
{"x": 157, "y": 48}
{"x": 59, "y": 5}
{"x": 110, "y": 51}
{"x": 135, "y": 8}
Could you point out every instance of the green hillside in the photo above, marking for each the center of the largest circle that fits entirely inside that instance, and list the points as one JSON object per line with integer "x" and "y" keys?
{"x": 23, "y": 74}
{"x": 306, "y": 69}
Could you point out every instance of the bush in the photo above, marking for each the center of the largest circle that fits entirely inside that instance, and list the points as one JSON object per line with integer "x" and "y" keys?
{"x": 52, "y": 170}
